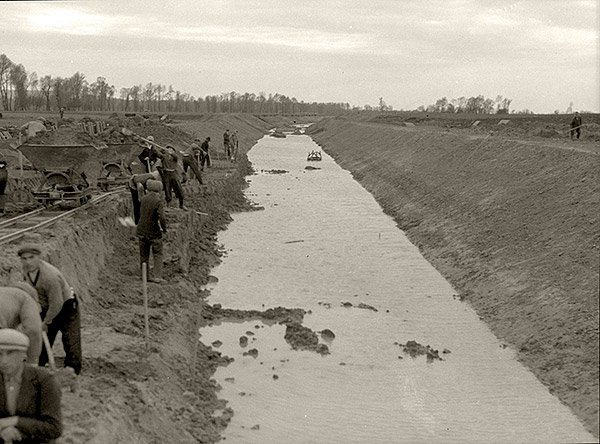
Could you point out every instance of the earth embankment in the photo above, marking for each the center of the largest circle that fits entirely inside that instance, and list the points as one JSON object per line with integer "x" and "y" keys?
{"x": 127, "y": 392}
{"x": 513, "y": 226}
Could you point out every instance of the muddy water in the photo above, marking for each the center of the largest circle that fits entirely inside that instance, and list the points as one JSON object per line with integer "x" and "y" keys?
{"x": 322, "y": 240}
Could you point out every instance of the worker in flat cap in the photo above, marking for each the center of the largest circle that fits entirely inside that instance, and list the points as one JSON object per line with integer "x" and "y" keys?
{"x": 152, "y": 224}
{"x": 59, "y": 304}
{"x": 30, "y": 410}
{"x": 20, "y": 309}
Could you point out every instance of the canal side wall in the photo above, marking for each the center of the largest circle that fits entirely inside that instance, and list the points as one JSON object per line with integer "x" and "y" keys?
{"x": 513, "y": 226}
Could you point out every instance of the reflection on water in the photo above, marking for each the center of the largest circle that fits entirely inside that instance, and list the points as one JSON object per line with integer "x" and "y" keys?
{"x": 322, "y": 240}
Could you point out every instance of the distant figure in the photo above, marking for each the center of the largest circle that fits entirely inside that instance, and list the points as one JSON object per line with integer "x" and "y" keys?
{"x": 191, "y": 161}
{"x": 3, "y": 182}
{"x": 226, "y": 146}
{"x": 20, "y": 309}
{"x": 170, "y": 175}
{"x": 205, "y": 156}
{"x": 30, "y": 410}
{"x": 576, "y": 125}
{"x": 152, "y": 224}
{"x": 60, "y": 306}
{"x": 234, "y": 146}
{"x": 62, "y": 111}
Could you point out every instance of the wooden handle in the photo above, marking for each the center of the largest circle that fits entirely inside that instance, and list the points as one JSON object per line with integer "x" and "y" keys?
{"x": 49, "y": 351}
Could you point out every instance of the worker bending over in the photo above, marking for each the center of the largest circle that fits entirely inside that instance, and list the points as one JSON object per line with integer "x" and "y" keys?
{"x": 151, "y": 226}
{"x": 59, "y": 304}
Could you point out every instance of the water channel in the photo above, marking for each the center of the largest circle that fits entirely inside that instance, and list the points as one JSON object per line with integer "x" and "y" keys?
{"x": 323, "y": 240}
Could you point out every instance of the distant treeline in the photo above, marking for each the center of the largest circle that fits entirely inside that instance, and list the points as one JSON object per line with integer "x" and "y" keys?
{"x": 474, "y": 105}
{"x": 20, "y": 91}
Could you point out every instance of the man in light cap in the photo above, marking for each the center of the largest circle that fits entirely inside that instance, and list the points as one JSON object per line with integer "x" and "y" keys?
{"x": 30, "y": 410}
{"x": 60, "y": 307}
{"x": 148, "y": 155}
{"x": 150, "y": 228}
{"x": 20, "y": 308}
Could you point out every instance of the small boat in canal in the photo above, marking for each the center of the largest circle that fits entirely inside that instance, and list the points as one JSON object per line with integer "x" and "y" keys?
{"x": 314, "y": 156}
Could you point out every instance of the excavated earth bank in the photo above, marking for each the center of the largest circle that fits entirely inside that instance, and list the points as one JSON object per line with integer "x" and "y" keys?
{"x": 513, "y": 225}
{"x": 127, "y": 393}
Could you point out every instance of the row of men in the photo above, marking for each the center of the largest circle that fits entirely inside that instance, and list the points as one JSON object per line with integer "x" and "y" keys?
{"x": 42, "y": 304}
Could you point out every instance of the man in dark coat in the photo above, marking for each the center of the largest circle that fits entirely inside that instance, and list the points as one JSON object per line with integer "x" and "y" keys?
{"x": 150, "y": 228}
{"x": 205, "y": 156}
{"x": 576, "y": 125}
{"x": 30, "y": 410}
{"x": 3, "y": 182}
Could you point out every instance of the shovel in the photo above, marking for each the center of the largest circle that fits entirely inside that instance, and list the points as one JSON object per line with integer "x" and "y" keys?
{"x": 66, "y": 376}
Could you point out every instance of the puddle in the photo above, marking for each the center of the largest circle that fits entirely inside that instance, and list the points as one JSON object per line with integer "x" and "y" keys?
{"x": 323, "y": 241}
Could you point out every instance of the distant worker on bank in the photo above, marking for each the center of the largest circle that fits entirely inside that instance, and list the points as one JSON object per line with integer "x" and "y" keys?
{"x": 576, "y": 125}
{"x": 19, "y": 309}
{"x": 30, "y": 410}
{"x": 234, "y": 146}
{"x": 59, "y": 304}
{"x": 205, "y": 155}
{"x": 152, "y": 224}
{"x": 62, "y": 111}
{"x": 226, "y": 146}
{"x": 3, "y": 182}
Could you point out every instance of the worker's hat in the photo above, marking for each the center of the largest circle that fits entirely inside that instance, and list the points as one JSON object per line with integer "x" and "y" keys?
{"x": 154, "y": 185}
{"x": 13, "y": 340}
{"x": 29, "y": 248}
{"x": 151, "y": 138}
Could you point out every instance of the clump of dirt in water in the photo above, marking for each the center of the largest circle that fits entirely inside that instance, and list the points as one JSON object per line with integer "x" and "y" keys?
{"x": 215, "y": 312}
{"x": 414, "y": 349}
{"x": 274, "y": 171}
{"x": 303, "y": 338}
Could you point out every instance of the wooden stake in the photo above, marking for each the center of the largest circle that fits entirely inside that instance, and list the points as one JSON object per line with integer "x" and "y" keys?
{"x": 145, "y": 292}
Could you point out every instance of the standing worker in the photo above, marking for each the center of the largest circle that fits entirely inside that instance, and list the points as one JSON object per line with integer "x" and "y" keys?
{"x": 150, "y": 228}
{"x": 205, "y": 156}
{"x": 148, "y": 156}
{"x": 234, "y": 146}
{"x": 576, "y": 125}
{"x": 20, "y": 309}
{"x": 226, "y": 146}
{"x": 170, "y": 175}
{"x": 60, "y": 307}
{"x": 3, "y": 182}
{"x": 30, "y": 410}
{"x": 62, "y": 112}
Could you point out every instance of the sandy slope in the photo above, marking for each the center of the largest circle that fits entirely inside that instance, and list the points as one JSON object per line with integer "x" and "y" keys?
{"x": 513, "y": 226}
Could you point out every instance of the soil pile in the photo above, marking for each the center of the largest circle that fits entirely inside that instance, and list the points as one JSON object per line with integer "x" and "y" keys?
{"x": 513, "y": 225}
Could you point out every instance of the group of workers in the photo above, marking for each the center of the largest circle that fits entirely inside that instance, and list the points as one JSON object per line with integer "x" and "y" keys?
{"x": 165, "y": 173}
{"x": 32, "y": 313}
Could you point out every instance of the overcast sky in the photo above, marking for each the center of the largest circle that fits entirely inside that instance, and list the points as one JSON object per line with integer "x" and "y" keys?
{"x": 541, "y": 53}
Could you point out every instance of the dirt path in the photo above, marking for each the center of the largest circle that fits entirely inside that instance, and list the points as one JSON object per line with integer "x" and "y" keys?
{"x": 512, "y": 225}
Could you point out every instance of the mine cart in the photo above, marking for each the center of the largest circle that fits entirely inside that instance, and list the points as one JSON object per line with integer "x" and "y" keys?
{"x": 63, "y": 185}
{"x": 114, "y": 173}
{"x": 66, "y": 170}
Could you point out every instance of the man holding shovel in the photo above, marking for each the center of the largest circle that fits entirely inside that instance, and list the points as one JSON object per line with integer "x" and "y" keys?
{"x": 576, "y": 125}
{"x": 30, "y": 410}
{"x": 152, "y": 224}
{"x": 59, "y": 304}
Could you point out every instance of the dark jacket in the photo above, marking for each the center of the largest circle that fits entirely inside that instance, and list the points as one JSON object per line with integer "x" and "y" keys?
{"x": 38, "y": 406}
{"x": 204, "y": 146}
{"x": 152, "y": 217}
{"x": 576, "y": 121}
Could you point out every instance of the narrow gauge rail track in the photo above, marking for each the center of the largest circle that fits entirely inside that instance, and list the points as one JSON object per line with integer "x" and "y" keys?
{"x": 15, "y": 227}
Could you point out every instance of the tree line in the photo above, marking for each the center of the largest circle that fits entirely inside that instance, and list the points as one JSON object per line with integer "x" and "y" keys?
{"x": 21, "y": 91}
{"x": 474, "y": 105}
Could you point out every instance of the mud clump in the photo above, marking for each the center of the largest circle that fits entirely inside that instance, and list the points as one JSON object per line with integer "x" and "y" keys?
{"x": 367, "y": 307}
{"x": 414, "y": 349}
{"x": 243, "y": 341}
{"x": 310, "y": 168}
{"x": 252, "y": 352}
{"x": 327, "y": 334}
{"x": 303, "y": 338}
{"x": 279, "y": 314}
{"x": 274, "y": 171}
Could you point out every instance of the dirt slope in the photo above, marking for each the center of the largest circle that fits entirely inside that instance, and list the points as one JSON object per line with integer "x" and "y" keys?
{"x": 513, "y": 226}
{"x": 128, "y": 394}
